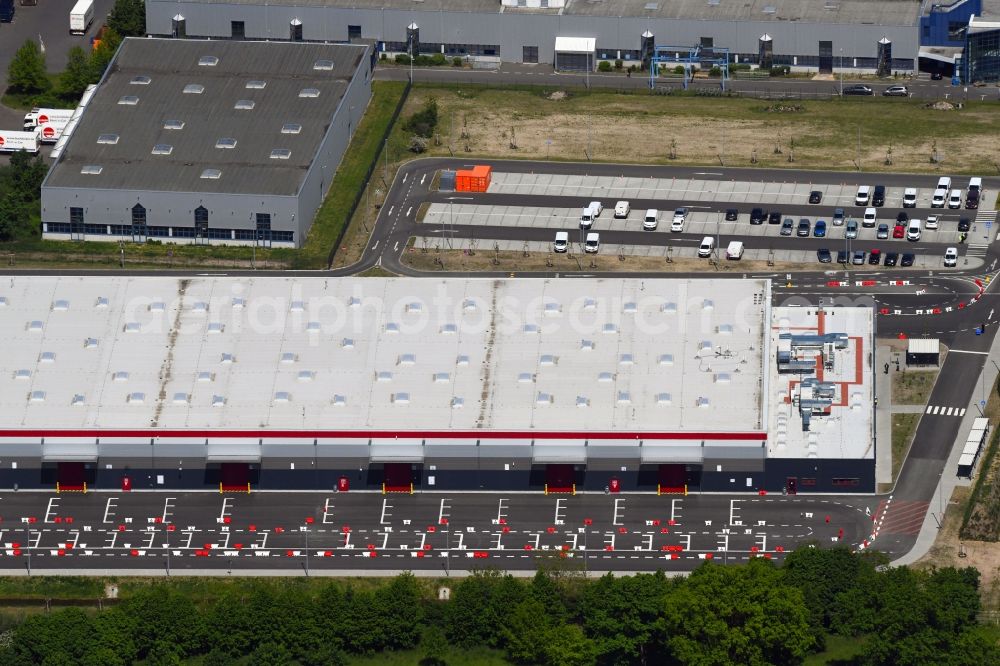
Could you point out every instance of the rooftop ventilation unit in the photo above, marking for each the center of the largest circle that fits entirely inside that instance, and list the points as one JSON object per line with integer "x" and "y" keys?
{"x": 47, "y": 357}
{"x": 441, "y": 377}
{"x": 173, "y": 124}
{"x": 120, "y": 376}
{"x": 400, "y": 398}
{"x": 211, "y": 174}
{"x": 91, "y": 169}
{"x": 289, "y": 357}
{"x": 140, "y": 80}
{"x": 309, "y": 92}
{"x": 136, "y": 398}
{"x": 256, "y": 85}
{"x": 626, "y": 359}
{"x": 226, "y": 142}
{"x": 107, "y": 139}
{"x": 90, "y": 343}
{"x": 663, "y": 399}
{"x": 244, "y": 105}
{"x": 78, "y": 399}
{"x": 194, "y": 89}
{"x": 339, "y": 400}
{"x": 182, "y": 398}
{"x": 306, "y": 375}
{"x": 162, "y": 149}
{"x": 208, "y": 61}
{"x": 35, "y": 326}
{"x": 291, "y": 128}
{"x": 128, "y": 100}
{"x": 226, "y": 358}
{"x": 282, "y": 397}
{"x": 60, "y": 305}
{"x": 36, "y": 396}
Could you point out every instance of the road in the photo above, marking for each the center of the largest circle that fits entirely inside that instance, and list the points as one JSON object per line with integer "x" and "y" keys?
{"x": 921, "y": 86}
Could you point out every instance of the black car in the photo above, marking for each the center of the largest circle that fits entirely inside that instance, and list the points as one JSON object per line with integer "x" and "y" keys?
{"x": 732, "y": 214}
{"x": 972, "y": 199}
{"x": 906, "y": 259}
{"x": 902, "y": 217}
{"x": 804, "y": 228}
{"x": 843, "y": 257}
{"x": 774, "y": 217}
{"x": 858, "y": 90}
{"x": 815, "y": 197}
{"x": 757, "y": 216}
{"x": 878, "y": 196}
{"x": 875, "y": 257}
{"x": 936, "y": 76}
{"x": 963, "y": 224}
{"x": 891, "y": 258}
{"x": 823, "y": 255}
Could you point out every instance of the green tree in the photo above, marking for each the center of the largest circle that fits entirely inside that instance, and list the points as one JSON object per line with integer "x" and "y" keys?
{"x": 565, "y": 645}
{"x": 128, "y": 18}
{"x": 77, "y": 75}
{"x": 822, "y": 574}
{"x": 526, "y": 631}
{"x": 101, "y": 57}
{"x": 624, "y": 616}
{"x": 270, "y": 654}
{"x": 434, "y": 646}
{"x": 400, "y": 611}
{"x": 26, "y": 72}
{"x": 481, "y": 604}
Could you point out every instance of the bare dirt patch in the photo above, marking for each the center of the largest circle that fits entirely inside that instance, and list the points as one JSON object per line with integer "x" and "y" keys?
{"x": 912, "y": 387}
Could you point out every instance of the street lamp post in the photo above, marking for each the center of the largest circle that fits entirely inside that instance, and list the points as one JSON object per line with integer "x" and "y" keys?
{"x": 841, "y": 72}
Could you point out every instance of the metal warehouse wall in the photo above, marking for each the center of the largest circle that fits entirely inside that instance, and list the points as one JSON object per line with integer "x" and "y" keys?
{"x": 513, "y": 31}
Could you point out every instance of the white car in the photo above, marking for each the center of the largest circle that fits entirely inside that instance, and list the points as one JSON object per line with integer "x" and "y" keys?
{"x": 650, "y": 220}
{"x": 910, "y": 197}
{"x": 597, "y": 207}
{"x": 931, "y": 222}
{"x": 679, "y": 216}
{"x": 951, "y": 257}
{"x": 593, "y": 243}
{"x": 621, "y": 209}
{"x": 561, "y": 243}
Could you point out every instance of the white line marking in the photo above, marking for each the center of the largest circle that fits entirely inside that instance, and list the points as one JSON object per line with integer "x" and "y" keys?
{"x": 967, "y": 351}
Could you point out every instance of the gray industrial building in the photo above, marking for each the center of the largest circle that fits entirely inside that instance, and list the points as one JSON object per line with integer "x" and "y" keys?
{"x": 209, "y": 142}
{"x": 819, "y": 35}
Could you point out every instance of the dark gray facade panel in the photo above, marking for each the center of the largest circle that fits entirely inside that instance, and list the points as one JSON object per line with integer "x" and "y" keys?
{"x": 733, "y": 464}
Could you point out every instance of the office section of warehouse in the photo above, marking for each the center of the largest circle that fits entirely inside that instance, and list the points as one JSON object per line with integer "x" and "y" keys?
{"x": 657, "y": 385}
{"x": 209, "y": 142}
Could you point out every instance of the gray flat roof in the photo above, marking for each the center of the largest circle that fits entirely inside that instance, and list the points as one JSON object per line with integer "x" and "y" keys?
{"x": 285, "y": 68}
{"x": 879, "y": 12}
{"x": 367, "y": 355}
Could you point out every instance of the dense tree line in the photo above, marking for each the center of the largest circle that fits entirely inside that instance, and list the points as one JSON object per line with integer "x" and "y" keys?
{"x": 20, "y": 196}
{"x": 753, "y": 614}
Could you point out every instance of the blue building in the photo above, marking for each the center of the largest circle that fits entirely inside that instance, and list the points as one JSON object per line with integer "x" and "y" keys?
{"x": 981, "y": 61}
{"x": 945, "y": 24}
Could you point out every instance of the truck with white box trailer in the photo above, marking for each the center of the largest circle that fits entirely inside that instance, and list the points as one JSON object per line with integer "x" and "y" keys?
{"x": 81, "y": 16}
{"x": 37, "y": 116}
{"x": 15, "y": 141}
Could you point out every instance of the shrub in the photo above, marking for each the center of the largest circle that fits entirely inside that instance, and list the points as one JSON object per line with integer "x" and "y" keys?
{"x": 384, "y": 56}
{"x": 679, "y": 69}
{"x": 438, "y": 59}
{"x": 402, "y": 59}
{"x": 715, "y": 71}
{"x": 618, "y": 64}
{"x": 604, "y": 66}
{"x": 780, "y": 70}
{"x": 423, "y": 122}
{"x": 456, "y": 62}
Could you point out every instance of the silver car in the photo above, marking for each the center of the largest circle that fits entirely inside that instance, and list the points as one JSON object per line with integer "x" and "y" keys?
{"x": 852, "y": 229}
{"x": 896, "y": 91}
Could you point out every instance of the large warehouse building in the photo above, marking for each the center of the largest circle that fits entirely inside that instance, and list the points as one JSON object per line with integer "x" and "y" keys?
{"x": 819, "y": 35}
{"x": 213, "y": 142}
{"x": 659, "y": 385}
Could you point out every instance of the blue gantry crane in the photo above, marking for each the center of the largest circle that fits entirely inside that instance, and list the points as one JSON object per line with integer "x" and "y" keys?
{"x": 697, "y": 56}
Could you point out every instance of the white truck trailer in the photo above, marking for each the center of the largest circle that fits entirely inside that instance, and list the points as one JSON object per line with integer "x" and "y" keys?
{"x": 14, "y": 141}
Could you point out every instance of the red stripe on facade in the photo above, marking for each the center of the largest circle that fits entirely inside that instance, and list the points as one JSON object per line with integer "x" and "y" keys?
{"x": 384, "y": 434}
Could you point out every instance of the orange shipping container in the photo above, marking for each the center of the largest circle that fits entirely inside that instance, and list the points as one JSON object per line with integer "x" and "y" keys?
{"x": 476, "y": 179}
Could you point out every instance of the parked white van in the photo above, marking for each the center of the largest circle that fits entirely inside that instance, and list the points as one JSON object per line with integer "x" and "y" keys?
{"x": 939, "y": 198}
{"x": 735, "y": 251}
{"x": 561, "y": 243}
{"x": 588, "y": 216}
{"x": 593, "y": 243}
{"x": 706, "y": 247}
{"x": 863, "y": 195}
{"x": 869, "y": 217}
{"x": 913, "y": 230}
{"x": 651, "y": 219}
{"x": 944, "y": 183}
{"x": 955, "y": 200}
{"x": 910, "y": 197}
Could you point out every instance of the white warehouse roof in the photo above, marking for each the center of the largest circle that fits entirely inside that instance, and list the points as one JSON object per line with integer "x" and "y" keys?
{"x": 371, "y": 356}
{"x": 575, "y": 44}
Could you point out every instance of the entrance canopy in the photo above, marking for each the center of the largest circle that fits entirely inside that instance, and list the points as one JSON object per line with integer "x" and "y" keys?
{"x": 397, "y": 450}
{"x": 575, "y": 54}
{"x": 567, "y": 452}
{"x": 236, "y": 449}
{"x": 69, "y": 449}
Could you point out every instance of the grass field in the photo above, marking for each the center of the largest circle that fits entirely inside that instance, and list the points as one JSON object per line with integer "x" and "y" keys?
{"x": 636, "y": 127}
{"x": 912, "y": 387}
{"x": 903, "y": 427}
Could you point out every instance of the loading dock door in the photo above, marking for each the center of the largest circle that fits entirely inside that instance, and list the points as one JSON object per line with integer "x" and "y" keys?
{"x": 71, "y": 476}
{"x": 826, "y": 57}
{"x": 673, "y": 480}
{"x": 235, "y": 477}
{"x": 575, "y": 54}
{"x": 560, "y": 479}
{"x": 398, "y": 478}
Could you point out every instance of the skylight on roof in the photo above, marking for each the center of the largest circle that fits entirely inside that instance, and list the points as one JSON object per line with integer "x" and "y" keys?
{"x": 244, "y": 104}
{"x": 173, "y": 124}
{"x": 91, "y": 169}
{"x": 136, "y": 398}
{"x": 256, "y": 85}
{"x": 291, "y": 128}
{"x": 226, "y": 142}
{"x": 323, "y": 65}
{"x": 208, "y": 61}
{"x": 162, "y": 149}
{"x": 141, "y": 80}
{"x": 37, "y": 396}
{"x": 212, "y": 174}
{"x": 194, "y": 89}
{"x": 108, "y": 139}
{"x": 309, "y": 92}
{"x": 128, "y": 100}
{"x": 281, "y": 154}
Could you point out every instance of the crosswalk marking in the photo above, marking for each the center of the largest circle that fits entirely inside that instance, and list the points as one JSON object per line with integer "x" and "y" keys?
{"x": 938, "y": 410}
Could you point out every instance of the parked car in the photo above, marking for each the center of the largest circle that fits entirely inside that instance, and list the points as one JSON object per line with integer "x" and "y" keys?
{"x": 804, "y": 228}
{"x": 823, "y": 255}
{"x": 882, "y": 232}
{"x": 787, "y": 227}
{"x": 896, "y": 91}
{"x": 851, "y": 231}
{"x": 838, "y": 217}
{"x": 859, "y": 257}
{"x": 875, "y": 257}
{"x": 593, "y": 243}
{"x": 819, "y": 231}
{"x": 815, "y": 197}
{"x": 931, "y": 222}
{"x": 869, "y": 219}
{"x": 561, "y": 243}
{"x": 899, "y": 231}
{"x": 650, "y": 220}
{"x": 951, "y": 257}
{"x": 907, "y": 259}
{"x": 757, "y": 216}
{"x": 621, "y": 209}
{"x": 878, "y": 196}
{"x": 936, "y": 76}
{"x": 891, "y": 258}
{"x": 680, "y": 215}
{"x": 963, "y": 224}
{"x": 774, "y": 217}
{"x": 732, "y": 214}
{"x": 910, "y": 197}
{"x": 902, "y": 217}
{"x": 842, "y": 256}
{"x": 858, "y": 90}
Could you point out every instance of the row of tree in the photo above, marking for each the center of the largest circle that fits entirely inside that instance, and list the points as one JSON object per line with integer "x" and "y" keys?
{"x": 753, "y": 614}
{"x": 20, "y": 187}
{"x": 27, "y": 73}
